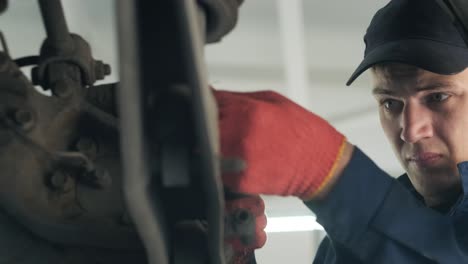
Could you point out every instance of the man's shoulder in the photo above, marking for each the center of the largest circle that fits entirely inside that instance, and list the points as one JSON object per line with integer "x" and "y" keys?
{"x": 405, "y": 181}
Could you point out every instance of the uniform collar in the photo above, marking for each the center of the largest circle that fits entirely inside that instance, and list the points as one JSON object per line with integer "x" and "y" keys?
{"x": 405, "y": 181}
{"x": 462, "y": 202}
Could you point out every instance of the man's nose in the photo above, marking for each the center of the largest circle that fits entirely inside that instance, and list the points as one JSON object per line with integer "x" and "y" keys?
{"x": 416, "y": 123}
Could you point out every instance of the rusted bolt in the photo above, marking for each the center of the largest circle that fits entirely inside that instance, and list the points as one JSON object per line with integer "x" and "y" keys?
{"x": 98, "y": 178}
{"x": 87, "y": 146}
{"x": 84, "y": 144}
{"x": 60, "y": 181}
{"x": 24, "y": 119}
{"x": 103, "y": 178}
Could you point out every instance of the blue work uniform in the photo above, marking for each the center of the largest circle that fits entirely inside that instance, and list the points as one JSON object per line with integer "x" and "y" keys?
{"x": 371, "y": 217}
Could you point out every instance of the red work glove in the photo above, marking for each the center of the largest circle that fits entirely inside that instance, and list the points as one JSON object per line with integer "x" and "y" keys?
{"x": 245, "y": 223}
{"x": 288, "y": 150}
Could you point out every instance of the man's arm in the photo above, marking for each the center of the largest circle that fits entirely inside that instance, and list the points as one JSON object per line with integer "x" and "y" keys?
{"x": 341, "y": 164}
{"x": 378, "y": 221}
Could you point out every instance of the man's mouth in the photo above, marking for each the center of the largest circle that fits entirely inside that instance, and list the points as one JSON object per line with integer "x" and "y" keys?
{"x": 425, "y": 159}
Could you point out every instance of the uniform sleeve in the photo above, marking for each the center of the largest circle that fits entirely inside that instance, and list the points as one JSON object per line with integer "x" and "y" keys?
{"x": 378, "y": 221}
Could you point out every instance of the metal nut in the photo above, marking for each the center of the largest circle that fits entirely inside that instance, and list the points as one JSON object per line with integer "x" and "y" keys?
{"x": 24, "y": 118}
{"x": 61, "y": 181}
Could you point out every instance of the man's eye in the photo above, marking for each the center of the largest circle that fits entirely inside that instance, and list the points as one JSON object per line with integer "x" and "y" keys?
{"x": 438, "y": 97}
{"x": 390, "y": 104}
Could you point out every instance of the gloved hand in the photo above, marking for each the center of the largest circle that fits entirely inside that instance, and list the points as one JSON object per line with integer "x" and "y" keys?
{"x": 245, "y": 223}
{"x": 288, "y": 150}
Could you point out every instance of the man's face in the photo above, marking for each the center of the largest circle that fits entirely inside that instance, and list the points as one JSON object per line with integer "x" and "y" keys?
{"x": 425, "y": 117}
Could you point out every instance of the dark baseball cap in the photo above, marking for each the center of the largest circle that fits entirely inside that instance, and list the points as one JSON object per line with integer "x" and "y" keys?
{"x": 415, "y": 32}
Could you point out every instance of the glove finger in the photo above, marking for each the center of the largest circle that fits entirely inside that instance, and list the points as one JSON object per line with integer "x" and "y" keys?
{"x": 236, "y": 117}
{"x": 259, "y": 206}
{"x": 259, "y": 96}
{"x": 242, "y": 119}
{"x": 256, "y": 207}
{"x": 260, "y": 234}
{"x": 262, "y": 222}
{"x": 252, "y": 203}
{"x": 230, "y": 107}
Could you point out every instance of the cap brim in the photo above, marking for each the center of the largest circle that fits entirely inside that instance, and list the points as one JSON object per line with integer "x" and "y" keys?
{"x": 426, "y": 54}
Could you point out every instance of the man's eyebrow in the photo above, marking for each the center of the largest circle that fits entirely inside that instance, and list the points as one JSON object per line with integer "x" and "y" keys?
{"x": 435, "y": 86}
{"x": 379, "y": 90}
{"x": 432, "y": 86}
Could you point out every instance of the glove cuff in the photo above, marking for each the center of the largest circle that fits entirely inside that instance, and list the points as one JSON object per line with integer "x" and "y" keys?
{"x": 318, "y": 184}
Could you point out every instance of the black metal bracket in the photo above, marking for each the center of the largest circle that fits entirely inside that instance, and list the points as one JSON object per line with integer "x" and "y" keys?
{"x": 168, "y": 114}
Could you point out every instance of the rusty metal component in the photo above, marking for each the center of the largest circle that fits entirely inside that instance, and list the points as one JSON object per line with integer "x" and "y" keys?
{"x": 24, "y": 119}
{"x": 103, "y": 117}
{"x": 104, "y": 97}
{"x": 101, "y": 70}
{"x": 103, "y": 178}
{"x": 73, "y": 161}
{"x": 53, "y": 181}
{"x": 69, "y": 51}
{"x": 61, "y": 181}
{"x": 98, "y": 178}
{"x": 62, "y": 88}
{"x": 64, "y": 153}
{"x": 88, "y": 147}
{"x": 43, "y": 184}
{"x": 80, "y": 57}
